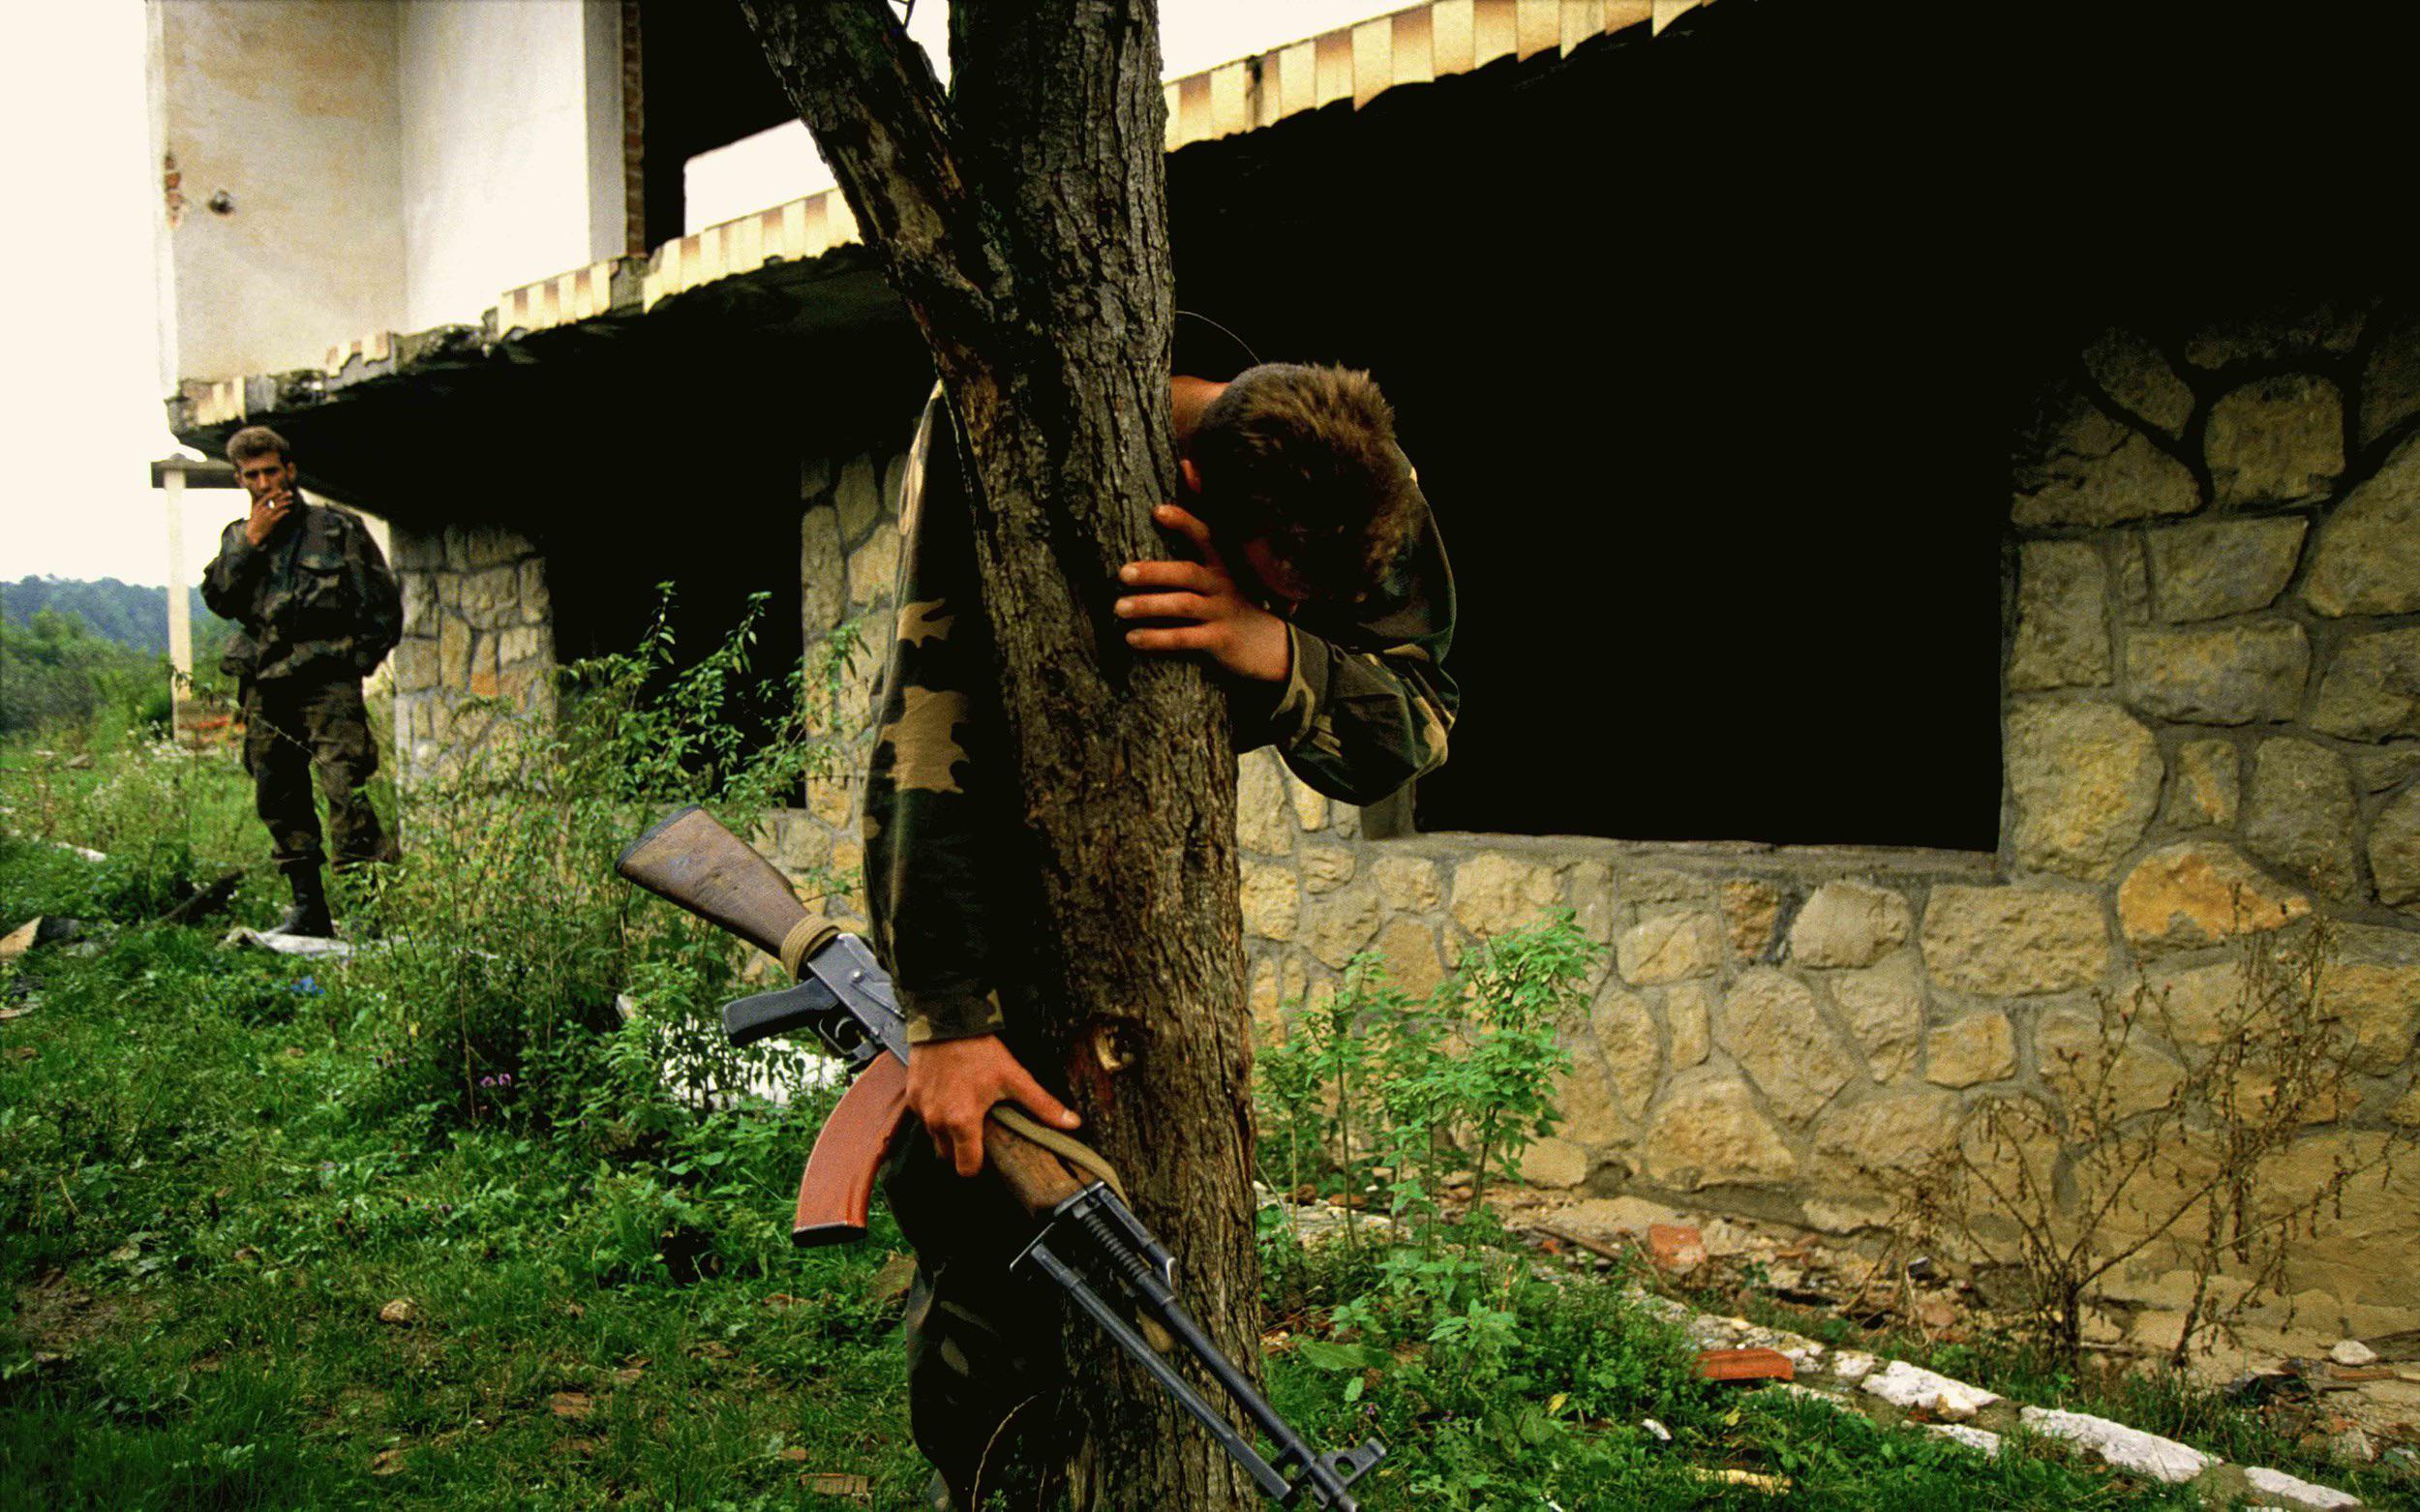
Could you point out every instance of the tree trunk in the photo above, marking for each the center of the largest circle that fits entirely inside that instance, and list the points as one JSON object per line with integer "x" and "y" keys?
{"x": 1025, "y": 226}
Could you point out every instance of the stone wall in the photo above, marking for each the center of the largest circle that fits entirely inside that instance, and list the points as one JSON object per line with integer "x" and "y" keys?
{"x": 477, "y": 623}
{"x": 2212, "y": 696}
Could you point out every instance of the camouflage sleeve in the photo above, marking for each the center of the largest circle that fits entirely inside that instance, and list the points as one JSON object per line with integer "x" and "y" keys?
{"x": 379, "y": 598}
{"x": 1368, "y": 704}
{"x": 226, "y": 583}
{"x": 934, "y": 829}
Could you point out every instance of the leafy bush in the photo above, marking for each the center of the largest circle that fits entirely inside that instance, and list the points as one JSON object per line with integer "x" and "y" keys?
{"x": 507, "y": 936}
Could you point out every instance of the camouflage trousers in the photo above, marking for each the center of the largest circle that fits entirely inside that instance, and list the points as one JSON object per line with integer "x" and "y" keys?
{"x": 291, "y": 731}
{"x": 983, "y": 1354}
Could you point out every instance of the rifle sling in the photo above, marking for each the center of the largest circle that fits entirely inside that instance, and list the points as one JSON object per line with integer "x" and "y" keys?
{"x": 1076, "y": 1152}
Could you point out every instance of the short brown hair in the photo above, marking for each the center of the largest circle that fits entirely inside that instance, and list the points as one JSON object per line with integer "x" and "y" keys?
{"x": 1305, "y": 457}
{"x": 256, "y": 440}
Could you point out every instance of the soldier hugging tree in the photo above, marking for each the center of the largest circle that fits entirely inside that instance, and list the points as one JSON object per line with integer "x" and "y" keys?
{"x": 318, "y": 611}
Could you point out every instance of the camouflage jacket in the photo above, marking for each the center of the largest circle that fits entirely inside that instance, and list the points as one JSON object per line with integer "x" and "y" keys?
{"x": 314, "y": 602}
{"x": 1367, "y": 708}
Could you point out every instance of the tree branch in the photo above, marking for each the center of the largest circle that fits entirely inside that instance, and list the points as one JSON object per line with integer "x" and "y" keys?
{"x": 869, "y": 97}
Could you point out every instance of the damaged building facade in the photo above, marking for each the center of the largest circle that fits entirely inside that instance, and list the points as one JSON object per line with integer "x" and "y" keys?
{"x": 1914, "y": 584}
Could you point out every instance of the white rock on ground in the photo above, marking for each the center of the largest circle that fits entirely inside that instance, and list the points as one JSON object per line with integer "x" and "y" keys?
{"x": 1853, "y": 1367}
{"x": 1981, "y": 1440}
{"x": 2127, "y": 1448}
{"x": 2352, "y": 1352}
{"x": 2276, "y": 1483}
{"x": 1906, "y": 1385}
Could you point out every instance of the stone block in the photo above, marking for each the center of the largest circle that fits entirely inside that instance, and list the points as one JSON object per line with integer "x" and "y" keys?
{"x": 893, "y": 481}
{"x": 519, "y": 644}
{"x": 2127, "y": 1448}
{"x": 2395, "y": 849}
{"x": 1661, "y": 886}
{"x": 1899, "y": 1129}
{"x": 453, "y": 653}
{"x": 415, "y": 550}
{"x": 814, "y": 476}
{"x": 823, "y": 573}
{"x": 1327, "y": 868}
{"x": 2387, "y": 770}
{"x": 1261, "y": 999}
{"x": 1337, "y": 924}
{"x": 2210, "y": 568}
{"x": 2199, "y": 893}
{"x": 2062, "y": 636}
{"x": 1260, "y": 819}
{"x": 1688, "y": 1014}
{"x": 2203, "y": 788}
{"x": 2276, "y": 441}
{"x": 1583, "y": 1098}
{"x": 1558, "y": 1164}
{"x": 1772, "y": 1027}
{"x": 1588, "y": 884}
{"x": 1624, "y": 1027}
{"x": 874, "y": 566}
{"x": 537, "y": 602}
{"x": 2390, "y": 387}
{"x": 2298, "y": 815}
{"x": 1493, "y": 891}
{"x": 1310, "y": 808}
{"x": 1271, "y": 898}
{"x": 2236, "y": 675}
{"x": 419, "y": 602}
{"x": 1410, "y": 883}
{"x": 2078, "y": 466}
{"x": 2286, "y": 329}
{"x": 415, "y": 664}
{"x": 2372, "y": 690}
{"x": 2275, "y": 1486}
{"x": 2086, "y": 780}
{"x": 1885, "y": 1009}
{"x": 2372, "y": 988}
{"x": 2133, "y": 373}
{"x": 857, "y": 497}
{"x": 490, "y": 597}
{"x": 1976, "y": 1048}
{"x": 1410, "y": 946}
{"x": 1668, "y": 948}
{"x": 2014, "y": 941}
{"x": 2367, "y": 560}
{"x": 1711, "y": 1135}
{"x": 1750, "y": 909}
{"x": 1849, "y": 924}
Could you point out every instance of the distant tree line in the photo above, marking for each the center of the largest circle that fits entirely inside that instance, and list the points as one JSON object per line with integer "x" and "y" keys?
{"x": 127, "y": 612}
{"x": 79, "y": 654}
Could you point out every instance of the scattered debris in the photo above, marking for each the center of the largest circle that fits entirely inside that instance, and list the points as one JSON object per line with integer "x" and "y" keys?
{"x": 1676, "y": 1249}
{"x": 1662, "y": 1434}
{"x": 1770, "y": 1485}
{"x": 40, "y": 930}
{"x": 1913, "y": 1387}
{"x": 835, "y": 1483}
{"x": 288, "y": 944}
{"x": 2127, "y": 1448}
{"x": 1753, "y": 1363}
{"x": 388, "y": 1462}
{"x": 1983, "y": 1441}
{"x": 400, "y": 1311}
{"x": 571, "y": 1406}
{"x": 209, "y": 901}
{"x": 2276, "y": 1483}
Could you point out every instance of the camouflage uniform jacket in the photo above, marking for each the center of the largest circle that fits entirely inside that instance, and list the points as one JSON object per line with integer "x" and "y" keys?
{"x": 316, "y": 602}
{"x": 1366, "y": 709}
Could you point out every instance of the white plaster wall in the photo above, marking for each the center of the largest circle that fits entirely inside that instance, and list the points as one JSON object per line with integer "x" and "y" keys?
{"x": 500, "y": 186}
{"x": 290, "y": 108}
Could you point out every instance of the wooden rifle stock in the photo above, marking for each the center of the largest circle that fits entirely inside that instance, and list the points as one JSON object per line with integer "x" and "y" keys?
{"x": 691, "y": 860}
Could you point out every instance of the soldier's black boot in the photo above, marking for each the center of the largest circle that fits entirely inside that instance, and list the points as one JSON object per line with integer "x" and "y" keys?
{"x": 310, "y": 913}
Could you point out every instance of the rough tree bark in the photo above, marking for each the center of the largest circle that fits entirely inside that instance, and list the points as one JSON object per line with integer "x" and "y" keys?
{"x": 1024, "y": 222}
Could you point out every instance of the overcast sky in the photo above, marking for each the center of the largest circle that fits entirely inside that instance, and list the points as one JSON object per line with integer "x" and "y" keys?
{"x": 80, "y": 415}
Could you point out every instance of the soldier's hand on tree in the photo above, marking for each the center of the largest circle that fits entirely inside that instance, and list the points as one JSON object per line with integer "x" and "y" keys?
{"x": 1225, "y": 624}
{"x": 268, "y": 512}
{"x": 952, "y": 1085}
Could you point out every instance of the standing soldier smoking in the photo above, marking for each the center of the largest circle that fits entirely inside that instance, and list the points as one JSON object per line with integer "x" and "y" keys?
{"x": 319, "y": 611}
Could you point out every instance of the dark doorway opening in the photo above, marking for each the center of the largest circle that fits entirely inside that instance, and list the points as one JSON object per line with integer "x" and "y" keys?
{"x": 703, "y": 84}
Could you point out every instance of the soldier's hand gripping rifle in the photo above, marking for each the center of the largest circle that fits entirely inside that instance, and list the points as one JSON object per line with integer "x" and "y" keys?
{"x": 1085, "y": 1234}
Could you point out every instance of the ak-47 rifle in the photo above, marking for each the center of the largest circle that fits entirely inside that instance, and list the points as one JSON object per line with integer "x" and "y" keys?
{"x": 1085, "y": 1235}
